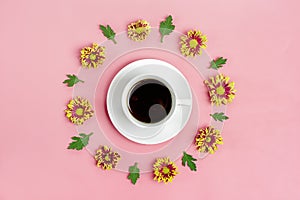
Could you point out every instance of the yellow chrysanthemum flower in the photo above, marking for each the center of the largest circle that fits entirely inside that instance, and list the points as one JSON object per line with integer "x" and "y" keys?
{"x": 106, "y": 158}
{"x": 207, "y": 140}
{"x": 79, "y": 110}
{"x": 92, "y": 56}
{"x": 192, "y": 43}
{"x": 221, "y": 91}
{"x": 139, "y": 30}
{"x": 164, "y": 170}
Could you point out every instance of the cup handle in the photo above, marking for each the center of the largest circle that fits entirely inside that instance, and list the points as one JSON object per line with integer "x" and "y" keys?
{"x": 183, "y": 102}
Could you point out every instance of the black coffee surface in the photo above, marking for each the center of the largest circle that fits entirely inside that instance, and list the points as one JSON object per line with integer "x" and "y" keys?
{"x": 150, "y": 101}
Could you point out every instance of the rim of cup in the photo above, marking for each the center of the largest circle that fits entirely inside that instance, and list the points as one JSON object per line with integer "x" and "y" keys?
{"x": 126, "y": 96}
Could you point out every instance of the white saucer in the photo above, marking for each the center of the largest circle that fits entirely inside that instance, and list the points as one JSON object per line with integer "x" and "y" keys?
{"x": 143, "y": 133}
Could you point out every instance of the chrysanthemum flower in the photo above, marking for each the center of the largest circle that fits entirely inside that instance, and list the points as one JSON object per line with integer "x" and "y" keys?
{"x": 139, "y": 30}
{"x": 79, "y": 110}
{"x": 192, "y": 43}
{"x": 106, "y": 158}
{"x": 221, "y": 91}
{"x": 92, "y": 56}
{"x": 207, "y": 140}
{"x": 164, "y": 170}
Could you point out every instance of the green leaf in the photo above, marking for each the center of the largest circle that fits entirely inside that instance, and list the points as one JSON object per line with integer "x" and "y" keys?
{"x": 166, "y": 27}
{"x": 219, "y": 117}
{"x": 72, "y": 80}
{"x": 134, "y": 173}
{"x": 189, "y": 160}
{"x": 218, "y": 63}
{"x": 80, "y": 142}
{"x": 108, "y": 33}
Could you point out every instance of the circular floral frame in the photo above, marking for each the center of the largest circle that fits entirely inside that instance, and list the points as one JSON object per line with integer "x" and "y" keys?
{"x": 125, "y": 45}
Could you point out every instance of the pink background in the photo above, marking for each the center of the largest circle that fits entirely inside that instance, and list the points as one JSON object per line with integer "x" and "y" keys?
{"x": 39, "y": 44}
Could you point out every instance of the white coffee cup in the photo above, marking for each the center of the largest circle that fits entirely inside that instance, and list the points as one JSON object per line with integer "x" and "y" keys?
{"x": 119, "y": 95}
{"x": 126, "y": 96}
